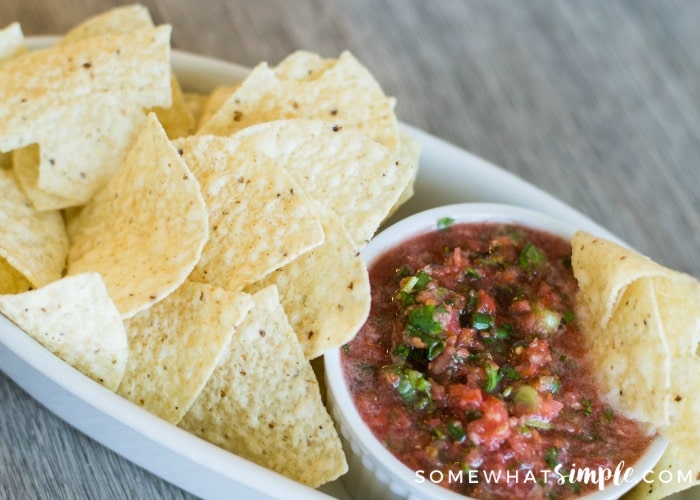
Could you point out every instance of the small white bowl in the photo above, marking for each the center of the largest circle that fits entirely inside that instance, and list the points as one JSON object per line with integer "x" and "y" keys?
{"x": 373, "y": 471}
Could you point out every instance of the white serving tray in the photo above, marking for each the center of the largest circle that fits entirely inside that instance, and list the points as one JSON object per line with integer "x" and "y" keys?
{"x": 447, "y": 175}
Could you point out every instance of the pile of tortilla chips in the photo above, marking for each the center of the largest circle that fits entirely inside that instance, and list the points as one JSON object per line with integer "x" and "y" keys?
{"x": 641, "y": 323}
{"x": 194, "y": 252}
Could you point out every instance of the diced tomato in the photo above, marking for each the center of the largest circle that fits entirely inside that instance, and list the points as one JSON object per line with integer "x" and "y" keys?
{"x": 549, "y": 407}
{"x": 463, "y": 397}
{"x": 493, "y": 427}
{"x": 521, "y": 306}
{"x": 485, "y": 303}
{"x": 537, "y": 356}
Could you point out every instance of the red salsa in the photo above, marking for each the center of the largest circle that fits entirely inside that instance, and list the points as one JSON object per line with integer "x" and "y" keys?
{"x": 471, "y": 361}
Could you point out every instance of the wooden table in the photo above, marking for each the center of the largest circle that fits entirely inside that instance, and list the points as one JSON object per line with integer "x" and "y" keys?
{"x": 596, "y": 102}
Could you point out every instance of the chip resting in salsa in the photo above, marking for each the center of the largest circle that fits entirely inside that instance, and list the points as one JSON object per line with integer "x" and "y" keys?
{"x": 641, "y": 323}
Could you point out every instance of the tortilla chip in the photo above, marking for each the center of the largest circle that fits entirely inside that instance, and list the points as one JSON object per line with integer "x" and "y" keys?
{"x": 176, "y": 119}
{"x": 11, "y": 280}
{"x": 175, "y": 345}
{"x": 82, "y": 104}
{"x": 195, "y": 102}
{"x": 641, "y": 323}
{"x": 33, "y": 243}
{"x": 303, "y": 65}
{"x": 11, "y": 41}
{"x": 263, "y": 401}
{"x": 409, "y": 154}
{"x": 678, "y": 299}
{"x": 326, "y": 302}
{"x": 259, "y": 218}
{"x": 214, "y": 101}
{"x": 75, "y": 319}
{"x": 665, "y": 480}
{"x": 631, "y": 355}
{"x": 145, "y": 231}
{"x": 345, "y": 94}
{"x": 24, "y": 163}
{"x": 71, "y": 217}
{"x": 341, "y": 169}
{"x": 604, "y": 269}
{"x": 116, "y": 21}
{"x": 5, "y": 161}
{"x": 11, "y": 44}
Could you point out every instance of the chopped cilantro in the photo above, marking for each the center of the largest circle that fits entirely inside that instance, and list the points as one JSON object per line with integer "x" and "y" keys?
{"x": 412, "y": 386}
{"x": 346, "y": 349}
{"x": 530, "y": 257}
{"x": 509, "y": 373}
{"x": 401, "y": 351}
{"x": 608, "y": 415}
{"x": 569, "y": 317}
{"x": 551, "y": 456}
{"x": 444, "y": 223}
{"x": 587, "y": 408}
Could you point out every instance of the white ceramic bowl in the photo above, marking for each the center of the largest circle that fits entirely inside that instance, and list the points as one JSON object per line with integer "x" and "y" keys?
{"x": 374, "y": 471}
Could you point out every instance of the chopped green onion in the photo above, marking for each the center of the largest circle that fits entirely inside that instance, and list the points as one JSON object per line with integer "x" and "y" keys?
{"x": 405, "y": 389}
{"x": 492, "y": 377}
{"x": 538, "y": 424}
{"x": 423, "y": 403}
{"x": 547, "y": 320}
{"x": 503, "y": 332}
{"x": 473, "y": 415}
{"x": 409, "y": 284}
{"x": 482, "y": 321}
{"x": 434, "y": 349}
{"x": 418, "y": 380}
{"x": 421, "y": 319}
{"x": 527, "y": 397}
{"x": 472, "y": 273}
{"x": 346, "y": 348}
{"x": 530, "y": 257}
{"x": 445, "y": 222}
{"x": 456, "y": 430}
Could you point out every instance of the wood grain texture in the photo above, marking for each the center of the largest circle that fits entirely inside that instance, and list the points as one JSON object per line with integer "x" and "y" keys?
{"x": 595, "y": 102}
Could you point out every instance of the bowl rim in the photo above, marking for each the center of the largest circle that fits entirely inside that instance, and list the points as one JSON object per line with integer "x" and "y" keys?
{"x": 339, "y": 394}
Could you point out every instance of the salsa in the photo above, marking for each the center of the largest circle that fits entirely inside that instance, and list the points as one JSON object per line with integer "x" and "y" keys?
{"x": 471, "y": 371}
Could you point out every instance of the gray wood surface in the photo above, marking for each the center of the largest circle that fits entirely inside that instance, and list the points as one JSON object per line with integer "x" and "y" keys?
{"x": 596, "y": 102}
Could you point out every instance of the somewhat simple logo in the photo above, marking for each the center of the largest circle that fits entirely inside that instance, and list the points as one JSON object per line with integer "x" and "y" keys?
{"x": 599, "y": 476}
